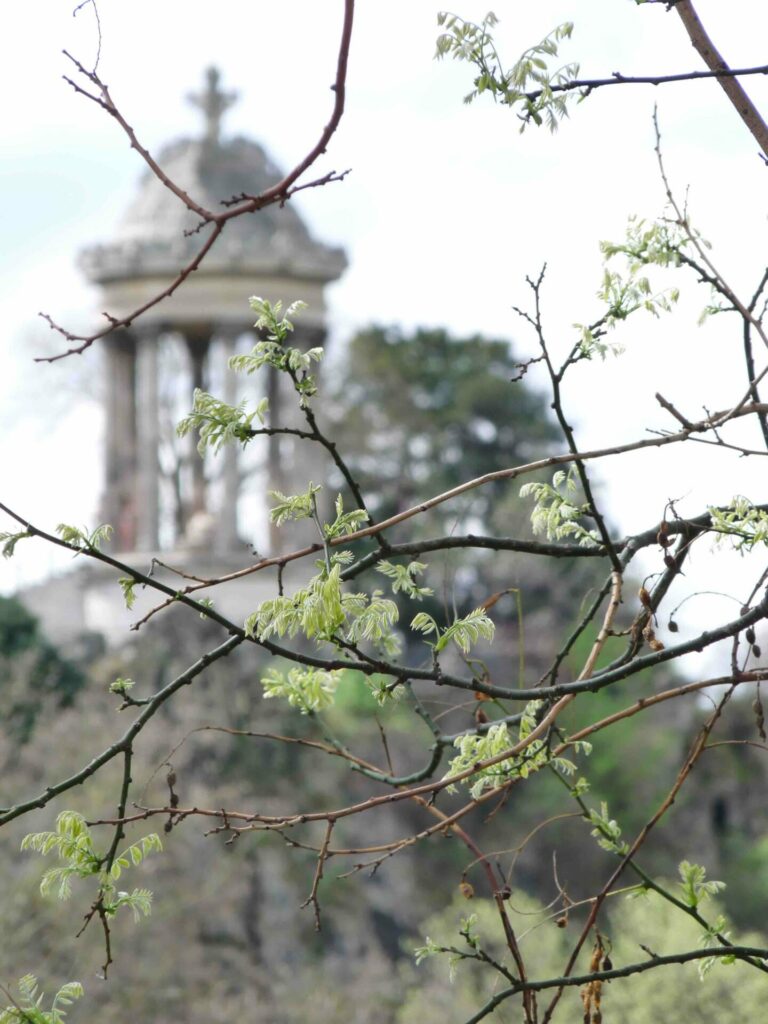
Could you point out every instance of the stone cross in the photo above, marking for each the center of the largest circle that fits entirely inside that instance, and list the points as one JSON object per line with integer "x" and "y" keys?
{"x": 213, "y": 103}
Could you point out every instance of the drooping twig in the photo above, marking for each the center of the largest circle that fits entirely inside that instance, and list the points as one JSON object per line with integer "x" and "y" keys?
{"x": 321, "y": 859}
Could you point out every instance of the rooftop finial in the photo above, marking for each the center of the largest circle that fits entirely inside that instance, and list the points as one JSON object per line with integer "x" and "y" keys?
{"x": 213, "y": 103}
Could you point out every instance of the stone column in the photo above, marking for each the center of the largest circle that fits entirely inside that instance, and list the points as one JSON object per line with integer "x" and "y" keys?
{"x": 197, "y": 346}
{"x": 118, "y": 506}
{"x": 275, "y": 476}
{"x": 148, "y": 441}
{"x": 227, "y": 536}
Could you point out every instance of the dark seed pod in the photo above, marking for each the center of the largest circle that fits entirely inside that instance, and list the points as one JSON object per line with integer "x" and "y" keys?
{"x": 672, "y": 626}
{"x": 607, "y": 963}
{"x": 757, "y": 709}
{"x": 168, "y": 826}
{"x": 756, "y": 650}
{"x": 749, "y": 635}
{"x": 669, "y": 561}
{"x": 174, "y": 799}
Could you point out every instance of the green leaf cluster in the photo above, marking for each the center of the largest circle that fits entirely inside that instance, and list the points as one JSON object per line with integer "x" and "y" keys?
{"x": 81, "y": 538}
{"x": 660, "y": 244}
{"x": 220, "y": 424}
{"x": 273, "y": 351}
{"x": 293, "y": 507}
{"x": 713, "y": 935}
{"x": 625, "y": 296}
{"x": 657, "y": 243}
{"x": 742, "y": 521}
{"x": 121, "y": 686}
{"x": 9, "y": 540}
{"x": 128, "y": 586}
{"x": 474, "y": 749}
{"x": 73, "y": 843}
{"x": 403, "y": 580}
{"x": 30, "y": 1003}
{"x": 468, "y": 931}
{"x": 320, "y": 611}
{"x": 527, "y": 85}
{"x": 463, "y": 632}
{"x": 607, "y": 831}
{"x": 694, "y": 885}
{"x": 308, "y": 689}
{"x": 555, "y": 513}
{"x": 345, "y": 522}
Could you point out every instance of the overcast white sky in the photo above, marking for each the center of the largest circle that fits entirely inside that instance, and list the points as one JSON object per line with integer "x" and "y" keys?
{"x": 447, "y": 209}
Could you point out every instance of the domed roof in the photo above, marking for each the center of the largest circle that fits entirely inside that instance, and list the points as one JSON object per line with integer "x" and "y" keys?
{"x": 151, "y": 239}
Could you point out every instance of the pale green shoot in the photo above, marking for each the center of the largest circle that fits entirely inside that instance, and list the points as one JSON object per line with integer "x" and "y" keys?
{"x": 308, "y": 689}
{"x": 403, "y": 580}
{"x": 82, "y": 539}
{"x": 10, "y": 540}
{"x": 556, "y": 513}
{"x": 73, "y": 843}
{"x": 220, "y": 424}
{"x": 293, "y": 506}
{"x": 694, "y": 885}
{"x": 463, "y": 632}
{"x": 29, "y": 1008}
{"x": 527, "y": 85}
{"x": 742, "y": 521}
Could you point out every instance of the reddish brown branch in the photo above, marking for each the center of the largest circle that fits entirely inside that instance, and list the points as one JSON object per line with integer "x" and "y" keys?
{"x": 126, "y": 321}
{"x": 321, "y": 859}
{"x": 278, "y": 193}
{"x": 511, "y": 473}
{"x": 695, "y": 753}
{"x": 730, "y": 85}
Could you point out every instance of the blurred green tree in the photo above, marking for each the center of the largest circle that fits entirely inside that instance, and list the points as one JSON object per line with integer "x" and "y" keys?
{"x": 420, "y": 412}
{"x": 31, "y": 669}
